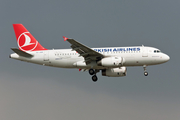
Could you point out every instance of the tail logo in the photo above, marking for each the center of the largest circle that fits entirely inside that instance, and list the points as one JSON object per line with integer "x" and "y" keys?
{"x": 25, "y": 42}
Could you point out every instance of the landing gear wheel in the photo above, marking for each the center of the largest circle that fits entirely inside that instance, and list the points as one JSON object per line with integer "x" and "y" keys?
{"x": 94, "y": 78}
{"x": 91, "y": 72}
{"x": 146, "y": 73}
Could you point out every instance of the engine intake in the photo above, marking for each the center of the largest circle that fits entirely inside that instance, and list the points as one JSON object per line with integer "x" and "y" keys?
{"x": 115, "y": 72}
{"x": 111, "y": 62}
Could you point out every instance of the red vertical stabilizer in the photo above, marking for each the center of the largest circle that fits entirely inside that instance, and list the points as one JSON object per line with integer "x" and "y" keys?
{"x": 25, "y": 41}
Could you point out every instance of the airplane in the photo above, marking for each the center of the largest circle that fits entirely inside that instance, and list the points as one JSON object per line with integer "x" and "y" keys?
{"x": 111, "y": 61}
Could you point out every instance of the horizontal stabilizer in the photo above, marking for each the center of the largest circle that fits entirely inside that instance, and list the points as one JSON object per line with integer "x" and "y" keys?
{"x": 21, "y": 53}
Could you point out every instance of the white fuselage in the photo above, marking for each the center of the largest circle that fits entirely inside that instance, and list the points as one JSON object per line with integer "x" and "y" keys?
{"x": 111, "y": 61}
{"x": 67, "y": 58}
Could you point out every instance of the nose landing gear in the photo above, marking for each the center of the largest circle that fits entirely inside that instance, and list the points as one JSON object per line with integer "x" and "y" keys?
{"x": 145, "y": 72}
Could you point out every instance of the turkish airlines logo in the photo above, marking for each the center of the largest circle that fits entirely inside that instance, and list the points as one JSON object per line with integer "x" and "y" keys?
{"x": 26, "y": 43}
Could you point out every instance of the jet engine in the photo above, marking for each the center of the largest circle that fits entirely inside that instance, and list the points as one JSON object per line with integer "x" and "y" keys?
{"x": 111, "y": 62}
{"x": 114, "y": 72}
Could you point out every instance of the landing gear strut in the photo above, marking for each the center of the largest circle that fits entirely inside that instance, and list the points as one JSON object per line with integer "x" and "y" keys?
{"x": 145, "y": 72}
{"x": 92, "y": 72}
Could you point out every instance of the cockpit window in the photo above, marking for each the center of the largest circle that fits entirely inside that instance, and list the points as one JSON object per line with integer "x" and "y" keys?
{"x": 157, "y": 51}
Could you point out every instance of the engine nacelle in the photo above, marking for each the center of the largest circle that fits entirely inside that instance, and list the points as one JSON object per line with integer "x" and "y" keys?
{"x": 115, "y": 72}
{"x": 111, "y": 62}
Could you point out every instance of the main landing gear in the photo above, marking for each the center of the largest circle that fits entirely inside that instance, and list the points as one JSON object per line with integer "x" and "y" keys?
{"x": 145, "y": 72}
{"x": 93, "y": 73}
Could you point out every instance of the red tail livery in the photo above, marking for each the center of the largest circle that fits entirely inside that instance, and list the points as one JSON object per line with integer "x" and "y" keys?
{"x": 25, "y": 40}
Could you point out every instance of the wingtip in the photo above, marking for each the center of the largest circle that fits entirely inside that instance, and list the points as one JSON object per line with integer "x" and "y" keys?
{"x": 65, "y": 38}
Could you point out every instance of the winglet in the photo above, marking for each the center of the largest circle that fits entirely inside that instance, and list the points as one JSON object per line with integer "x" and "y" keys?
{"x": 65, "y": 38}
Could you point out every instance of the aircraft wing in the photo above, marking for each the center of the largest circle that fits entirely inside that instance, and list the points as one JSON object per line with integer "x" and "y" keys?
{"x": 88, "y": 53}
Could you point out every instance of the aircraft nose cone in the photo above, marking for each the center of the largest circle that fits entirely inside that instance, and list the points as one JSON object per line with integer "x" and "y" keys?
{"x": 166, "y": 58}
